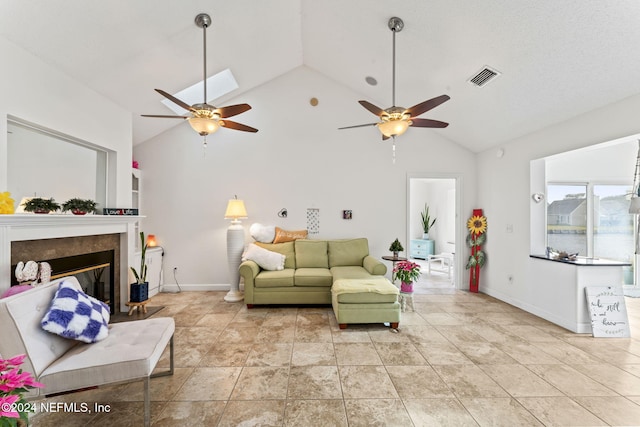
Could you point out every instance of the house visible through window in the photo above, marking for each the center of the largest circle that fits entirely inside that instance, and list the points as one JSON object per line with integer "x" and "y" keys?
{"x": 567, "y": 218}
{"x": 591, "y": 220}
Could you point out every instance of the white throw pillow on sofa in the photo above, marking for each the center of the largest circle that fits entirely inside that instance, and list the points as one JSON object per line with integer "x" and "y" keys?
{"x": 266, "y": 259}
{"x": 262, "y": 233}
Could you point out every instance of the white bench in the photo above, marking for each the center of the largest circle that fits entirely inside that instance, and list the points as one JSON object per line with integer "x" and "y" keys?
{"x": 130, "y": 351}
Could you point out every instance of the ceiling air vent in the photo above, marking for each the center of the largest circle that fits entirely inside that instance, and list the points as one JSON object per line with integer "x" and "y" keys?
{"x": 484, "y": 76}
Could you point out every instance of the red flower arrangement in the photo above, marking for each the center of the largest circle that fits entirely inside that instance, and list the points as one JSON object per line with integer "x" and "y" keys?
{"x": 406, "y": 271}
{"x": 14, "y": 382}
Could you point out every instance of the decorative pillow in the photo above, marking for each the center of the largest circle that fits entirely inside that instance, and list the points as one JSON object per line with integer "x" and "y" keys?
{"x": 289, "y": 236}
{"x": 76, "y": 315}
{"x": 14, "y": 290}
{"x": 262, "y": 233}
{"x": 264, "y": 258}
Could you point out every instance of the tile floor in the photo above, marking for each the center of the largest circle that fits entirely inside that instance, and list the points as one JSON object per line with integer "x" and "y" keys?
{"x": 459, "y": 360}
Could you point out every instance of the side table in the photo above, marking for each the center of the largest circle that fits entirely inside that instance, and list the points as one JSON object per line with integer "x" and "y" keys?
{"x": 393, "y": 260}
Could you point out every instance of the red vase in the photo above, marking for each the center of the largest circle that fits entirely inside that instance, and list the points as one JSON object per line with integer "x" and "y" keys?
{"x": 78, "y": 212}
{"x": 406, "y": 287}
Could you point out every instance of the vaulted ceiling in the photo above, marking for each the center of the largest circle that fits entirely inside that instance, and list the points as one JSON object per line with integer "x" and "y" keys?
{"x": 557, "y": 58}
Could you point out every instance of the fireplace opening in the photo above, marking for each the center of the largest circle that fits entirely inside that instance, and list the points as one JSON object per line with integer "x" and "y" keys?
{"x": 94, "y": 272}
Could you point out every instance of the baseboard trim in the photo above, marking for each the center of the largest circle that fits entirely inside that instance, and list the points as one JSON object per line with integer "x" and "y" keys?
{"x": 173, "y": 288}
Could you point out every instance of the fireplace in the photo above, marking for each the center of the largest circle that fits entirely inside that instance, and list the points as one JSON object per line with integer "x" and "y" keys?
{"x": 94, "y": 272}
{"x": 25, "y": 237}
{"x": 93, "y": 260}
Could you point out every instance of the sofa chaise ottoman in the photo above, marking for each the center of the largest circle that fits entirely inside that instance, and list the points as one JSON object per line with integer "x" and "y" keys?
{"x": 337, "y": 272}
{"x": 310, "y": 269}
{"x": 373, "y": 300}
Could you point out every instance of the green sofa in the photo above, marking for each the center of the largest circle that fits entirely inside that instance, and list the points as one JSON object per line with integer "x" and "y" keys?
{"x": 311, "y": 267}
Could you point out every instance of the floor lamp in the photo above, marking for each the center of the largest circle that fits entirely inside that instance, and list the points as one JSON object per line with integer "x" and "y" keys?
{"x": 235, "y": 246}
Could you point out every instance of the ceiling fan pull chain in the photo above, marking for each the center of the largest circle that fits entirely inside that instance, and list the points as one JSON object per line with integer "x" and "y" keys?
{"x": 394, "y": 149}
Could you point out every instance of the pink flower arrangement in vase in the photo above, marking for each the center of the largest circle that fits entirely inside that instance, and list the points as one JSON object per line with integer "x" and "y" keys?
{"x": 14, "y": 382}
{"x": 408, "y": 272}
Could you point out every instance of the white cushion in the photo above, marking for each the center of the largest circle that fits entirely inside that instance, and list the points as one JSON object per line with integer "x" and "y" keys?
{"x": 266, "y": 259}
{"x": 132, "y": 351}
{"x": 263, "y": 233}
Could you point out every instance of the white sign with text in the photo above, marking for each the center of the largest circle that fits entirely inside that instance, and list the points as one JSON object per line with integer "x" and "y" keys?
{"x": 607, "y": 311}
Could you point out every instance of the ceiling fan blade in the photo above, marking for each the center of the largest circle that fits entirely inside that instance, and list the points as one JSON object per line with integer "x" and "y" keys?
{"x": 358, "y": 126}
{"x": 175, "y": 100}
{"x": 232, "y": 110}
{"x": 237, "y": 126}
{"x": 428, "y": 123}
{"x": 369, "y": 106}
{"x": 425, "y": 106}
{"x": 164, "y": 117}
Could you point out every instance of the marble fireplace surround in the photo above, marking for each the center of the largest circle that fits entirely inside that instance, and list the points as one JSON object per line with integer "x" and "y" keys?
{"x": 35, "y": 227}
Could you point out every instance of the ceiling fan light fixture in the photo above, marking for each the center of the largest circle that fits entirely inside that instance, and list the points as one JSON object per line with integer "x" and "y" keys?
{"x": 393, "y": 127}
{"x": 395, "y": 121}
{"x": 205, "y": 118}
{"x": 203, "y": 125}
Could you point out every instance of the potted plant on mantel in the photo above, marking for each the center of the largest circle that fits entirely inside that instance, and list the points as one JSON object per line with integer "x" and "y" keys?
{"x": 139, "y": 291}
{"x": 40, "y": 206}
{"x": 79, "y": 206}
{"x": 427, "y": 223}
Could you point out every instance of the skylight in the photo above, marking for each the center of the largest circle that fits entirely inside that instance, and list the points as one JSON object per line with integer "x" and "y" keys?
{"x": 217, "y": 85}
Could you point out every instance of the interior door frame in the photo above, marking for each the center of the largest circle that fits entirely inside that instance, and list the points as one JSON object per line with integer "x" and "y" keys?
{"x": 459, "y": 242}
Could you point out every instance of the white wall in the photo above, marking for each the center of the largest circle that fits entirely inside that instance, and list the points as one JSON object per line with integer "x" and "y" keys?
{"x": 297, "y": 160}
{"x": 604, "y": 163}
{"x": 37, "y": 93}
{"x": 504, "y": 193}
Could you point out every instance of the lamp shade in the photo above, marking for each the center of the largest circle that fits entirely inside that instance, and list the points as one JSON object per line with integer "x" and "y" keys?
{"x": 235, "y": 210}
{"x": 393, "y": 127}
{"x": 151, "y": 240}
{"x": 204, "y": 126}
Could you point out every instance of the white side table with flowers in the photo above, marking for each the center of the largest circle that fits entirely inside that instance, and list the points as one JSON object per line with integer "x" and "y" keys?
{"x": 408, "y": 272}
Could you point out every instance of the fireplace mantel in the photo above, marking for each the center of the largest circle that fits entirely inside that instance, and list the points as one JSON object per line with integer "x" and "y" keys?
{"x": 21, "y": 227}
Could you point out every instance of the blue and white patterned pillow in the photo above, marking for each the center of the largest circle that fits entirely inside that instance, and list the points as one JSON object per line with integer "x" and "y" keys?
{"x": 76, "y": 315}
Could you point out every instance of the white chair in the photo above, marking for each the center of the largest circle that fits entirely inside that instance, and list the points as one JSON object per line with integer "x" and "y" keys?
{"x": 442, "y": 263}
{"x": 130, "y": 352}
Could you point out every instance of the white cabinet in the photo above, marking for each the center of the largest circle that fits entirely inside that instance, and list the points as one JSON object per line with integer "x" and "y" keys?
{"x": 153, "y": 260}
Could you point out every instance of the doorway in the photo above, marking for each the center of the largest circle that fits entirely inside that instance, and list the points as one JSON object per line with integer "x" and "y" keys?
{"x": 441, "y": 261}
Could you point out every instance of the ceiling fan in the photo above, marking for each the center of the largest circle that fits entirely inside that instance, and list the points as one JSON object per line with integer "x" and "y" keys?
{"x": 396, "y": 120}
{"x": 206, "y": 118}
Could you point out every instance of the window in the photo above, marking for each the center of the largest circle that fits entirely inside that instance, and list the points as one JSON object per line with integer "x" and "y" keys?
{"x": 613, "y": 224}
{"x": 567, "y": 218}
{"x": 591, "y": 220}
